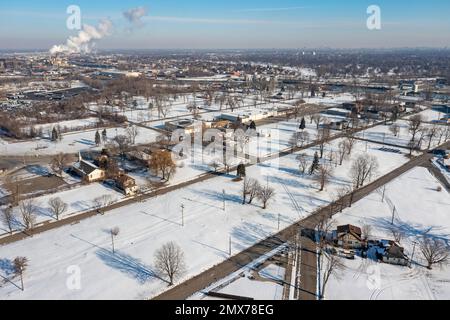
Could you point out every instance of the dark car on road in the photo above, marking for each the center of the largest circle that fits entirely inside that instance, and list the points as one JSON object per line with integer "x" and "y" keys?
{"x": 439, "y": 152}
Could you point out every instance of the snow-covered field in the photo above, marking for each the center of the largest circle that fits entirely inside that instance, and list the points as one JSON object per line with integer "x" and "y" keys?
{"x": 259, "y": 290}
{"x": 243, "y": 283}
{"x": 78, "y": 200}
{"x": 439, "y": 164}
{"x": 128, "y": 274}
{"x": 383, "y": 134}
{"x": 430, "y": 115}
{"x": 71, "y": 142}
{"x": 420, "y": 209}
{"x": 69, "y": 125}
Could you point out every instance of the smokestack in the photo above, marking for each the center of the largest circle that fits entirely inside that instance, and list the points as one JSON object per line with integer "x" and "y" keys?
{"x": 84, "y": 41}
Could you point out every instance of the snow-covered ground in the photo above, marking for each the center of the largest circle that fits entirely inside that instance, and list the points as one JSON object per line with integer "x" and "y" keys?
{"x": 69, "y": 125}
{"x": 129, "y": 274}
{"x": 383, "y": 134}
{"x": 71, "y": 142}
{"x": 242, "y": 282}
{"x": 430, "y": 115}
{"x": 79, "y": 199}
{"x": 438, "y": 163}
{"x": 420, "y": 209}
{"x": 259, "y": 290}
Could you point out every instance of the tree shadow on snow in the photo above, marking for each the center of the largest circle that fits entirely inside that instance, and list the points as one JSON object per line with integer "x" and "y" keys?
{"x": 7, "y": 267}
{"x": 219, "y": 196}
{"x": 128, "y": 265}
{"x": 38, "y": 170}
{"x": 411, "y": 230}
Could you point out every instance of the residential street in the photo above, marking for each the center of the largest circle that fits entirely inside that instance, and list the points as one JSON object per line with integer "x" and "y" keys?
{"x": 308, "y": 270}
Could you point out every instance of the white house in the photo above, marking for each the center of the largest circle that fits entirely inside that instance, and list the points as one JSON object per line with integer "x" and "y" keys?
{"x": 88, "y": 171}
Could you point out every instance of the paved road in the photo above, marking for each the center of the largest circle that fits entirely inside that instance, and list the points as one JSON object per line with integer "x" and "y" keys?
{"x": 308, "y": 259}
{"x": 308, "y": 282}
{"x": 77, "y": 218}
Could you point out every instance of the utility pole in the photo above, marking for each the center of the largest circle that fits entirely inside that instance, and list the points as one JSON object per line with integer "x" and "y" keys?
{"x": 384, "y": 192}
{"x": 351, "y": 198}
{"x": 229, "y": 245}
{"x": 182, "y": 215}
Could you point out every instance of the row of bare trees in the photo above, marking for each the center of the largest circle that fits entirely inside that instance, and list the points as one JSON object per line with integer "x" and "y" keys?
{"x": 252, "y": 189}
{"x": 28, "y": 210}
{"x": 420, "y": 133}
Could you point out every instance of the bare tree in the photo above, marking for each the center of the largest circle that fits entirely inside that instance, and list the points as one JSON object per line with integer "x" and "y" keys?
{"x": 245, "y": 189}
{"x": 8, "y": 218}
{"x": 59, "y": 163}
{"x": 414, "y": 127}
{"x": 13, "y": 186}
{"x": 162, "y": 106}
{"x": 132, "y": 132}
{"x": 341, "y": 193}
{"x": 324, "y": 228}
{"x": 169, "y": 261}
{"x": 435, "y": 251}
{"x": 322, "y": 138}
{"x": 395, "y": 129}
{"x": 366, "y": 231}
{"x": 103, "y": 201}
{"x": 342, "y": 152}
{"x": 431, "y": 133}
{"x": 123, "y": 143}
{"x": 440, "y": 134}
{"x": 265, "y": 194}
{"x": 317, "y": 120}
{"x": 397, "y": 234}
{"x": 57, "y": 207}
{"x": 28, "y": 210}
{"x": 114, "y": 233}
{"x": 447, "y": 133}
{"x": 303, "y": 138}
{"x": 253, "y": 190}
{"x": 302, "y": 162}
{"x": 363, "y": 169}
{"x": 330, "y": 265}
{"x": 323, "y": 175}
{"x": 294, "y": 141}
{"x": 350, "y": 143}
{"x": 20, "y": 264}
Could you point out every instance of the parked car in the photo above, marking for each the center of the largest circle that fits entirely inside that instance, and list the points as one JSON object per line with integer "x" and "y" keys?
{"x": 439, "y": 152}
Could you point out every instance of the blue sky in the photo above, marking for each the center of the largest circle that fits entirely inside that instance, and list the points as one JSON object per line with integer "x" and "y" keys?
{"x": 232, "y": 23}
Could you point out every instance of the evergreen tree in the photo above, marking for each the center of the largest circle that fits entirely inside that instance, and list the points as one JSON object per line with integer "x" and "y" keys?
{"x": 253, "y": 125}
{"x": 55, "y": 134}
{"x": 104, "y": 135}
{"x": 241, "y": 170}
{"x": 302, "y": 124}
{"x": 97, "y": 138}
{"x": 315, "y": 164}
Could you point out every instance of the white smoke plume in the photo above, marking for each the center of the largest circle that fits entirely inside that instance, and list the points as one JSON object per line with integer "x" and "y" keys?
{"x": 84, "y": 41}
{"x": 135, "y": 15}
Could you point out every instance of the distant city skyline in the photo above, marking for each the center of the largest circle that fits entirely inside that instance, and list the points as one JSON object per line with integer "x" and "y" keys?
{"x": 201, "y": 24}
